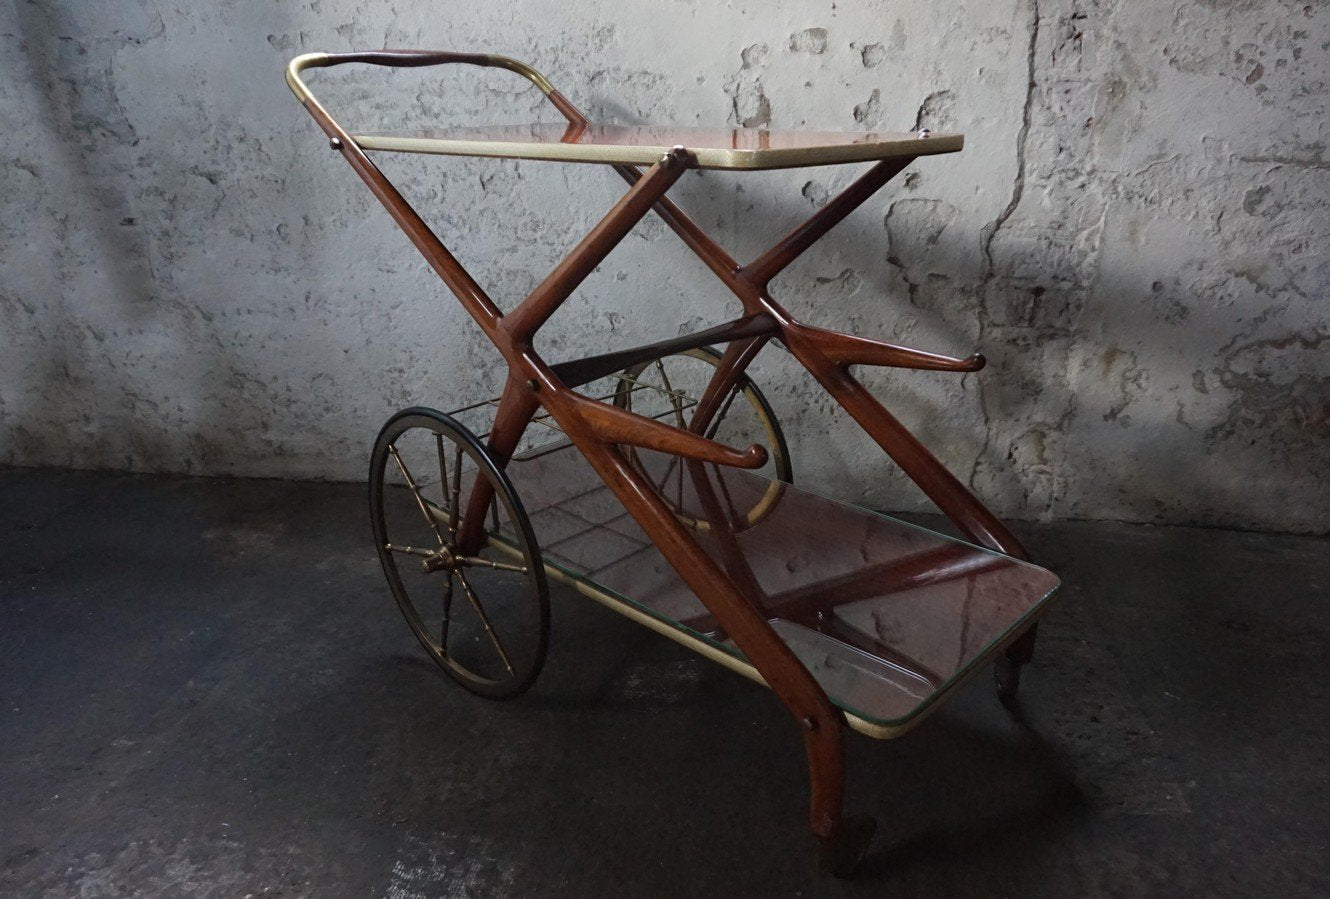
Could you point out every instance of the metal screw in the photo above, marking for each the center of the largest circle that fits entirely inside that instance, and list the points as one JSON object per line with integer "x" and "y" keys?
{"x": 335, "y": 143}
{"x": 533, "y": 386}
{"x": 923, "y": 133}
{"x": 809, "y": 723}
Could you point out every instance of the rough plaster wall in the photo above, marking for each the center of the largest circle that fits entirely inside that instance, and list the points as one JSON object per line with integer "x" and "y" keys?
{"x": 1136, "y": 234}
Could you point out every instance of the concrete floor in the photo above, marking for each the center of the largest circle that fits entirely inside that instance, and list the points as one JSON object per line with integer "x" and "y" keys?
{"x": 206, "y": 689}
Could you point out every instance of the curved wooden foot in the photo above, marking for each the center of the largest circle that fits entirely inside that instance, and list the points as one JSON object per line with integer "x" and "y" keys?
{"x": 1007, "y": 677}
{"x": 840, "y": 852}
{"x": 1007, "y": 671}
{"x": 841, "y": 841}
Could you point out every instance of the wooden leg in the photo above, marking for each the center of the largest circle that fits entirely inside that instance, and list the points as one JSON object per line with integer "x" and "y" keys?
{"x": 1007, "y": 672}
{"x": 841, "y": 841}
{"x": 516, "y": 407}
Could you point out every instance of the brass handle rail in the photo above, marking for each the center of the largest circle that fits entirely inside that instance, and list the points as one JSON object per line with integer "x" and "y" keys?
{"x": 414, "y": 58}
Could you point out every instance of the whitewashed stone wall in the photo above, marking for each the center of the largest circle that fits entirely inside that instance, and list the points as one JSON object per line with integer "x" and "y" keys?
{"x": 1136, "y": 234}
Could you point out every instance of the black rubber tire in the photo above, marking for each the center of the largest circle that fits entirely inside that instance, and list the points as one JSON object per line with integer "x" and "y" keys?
{"x": 536, "y": 589}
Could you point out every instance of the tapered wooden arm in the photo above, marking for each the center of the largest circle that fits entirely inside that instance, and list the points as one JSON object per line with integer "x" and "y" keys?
{"x": 847, "y": 349}
{"x": 614, "y": 425}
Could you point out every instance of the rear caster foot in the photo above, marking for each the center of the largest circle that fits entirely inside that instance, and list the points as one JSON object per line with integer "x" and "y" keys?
{"x": 840, "y": 853}
{"x": 1007, "y": 675}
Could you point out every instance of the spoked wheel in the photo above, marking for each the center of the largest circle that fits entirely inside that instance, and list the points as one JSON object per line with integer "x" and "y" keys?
{"x": 669, "y": 388}
{"x": 482, "y": 613}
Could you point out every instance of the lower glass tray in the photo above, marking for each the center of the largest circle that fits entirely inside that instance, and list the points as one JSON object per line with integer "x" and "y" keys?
{"x": 887, "y": 616}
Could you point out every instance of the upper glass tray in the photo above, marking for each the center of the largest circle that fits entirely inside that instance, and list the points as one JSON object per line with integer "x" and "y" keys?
{"x": 713, "y": 148}
{"x": 887, "y": 616}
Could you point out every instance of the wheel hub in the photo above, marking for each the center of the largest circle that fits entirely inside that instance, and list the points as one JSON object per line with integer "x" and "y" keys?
{"x": 442, "y": 560}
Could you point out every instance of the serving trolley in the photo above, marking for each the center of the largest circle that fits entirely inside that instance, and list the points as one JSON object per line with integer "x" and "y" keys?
{"x": 664, "y": 489}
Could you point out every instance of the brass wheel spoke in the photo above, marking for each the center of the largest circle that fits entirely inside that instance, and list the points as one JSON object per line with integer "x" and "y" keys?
{"x": 720, "y": 416}
{"x": 447, "y": 613}
{"x": 665, "y": 476}
{"x": 733, "y": 513}
{"x": 444, "y": 487}
{"x": 415, "y": 491}
{"x": 676, "y": 405}
{"x": 674, "y": 398}
{"x": 409, "y": 550}
{"x": 477, "y": 562}
{"x": 485, "y": 621}
{"x": 455, "y": 512}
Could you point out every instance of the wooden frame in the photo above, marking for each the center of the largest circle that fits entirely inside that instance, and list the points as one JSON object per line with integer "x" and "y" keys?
{"x": 600, "y": 431}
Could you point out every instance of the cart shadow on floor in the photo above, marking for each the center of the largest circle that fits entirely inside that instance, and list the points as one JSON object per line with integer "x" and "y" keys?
{"x": 966, "y": 785}
{"x": 976, "y": 780}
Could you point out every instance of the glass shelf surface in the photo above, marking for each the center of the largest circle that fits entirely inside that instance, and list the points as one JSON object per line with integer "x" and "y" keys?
{"x": 887, "y": 616}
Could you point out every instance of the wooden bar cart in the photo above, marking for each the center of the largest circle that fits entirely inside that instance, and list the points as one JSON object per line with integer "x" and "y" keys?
{"x": 664, "y": 489}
